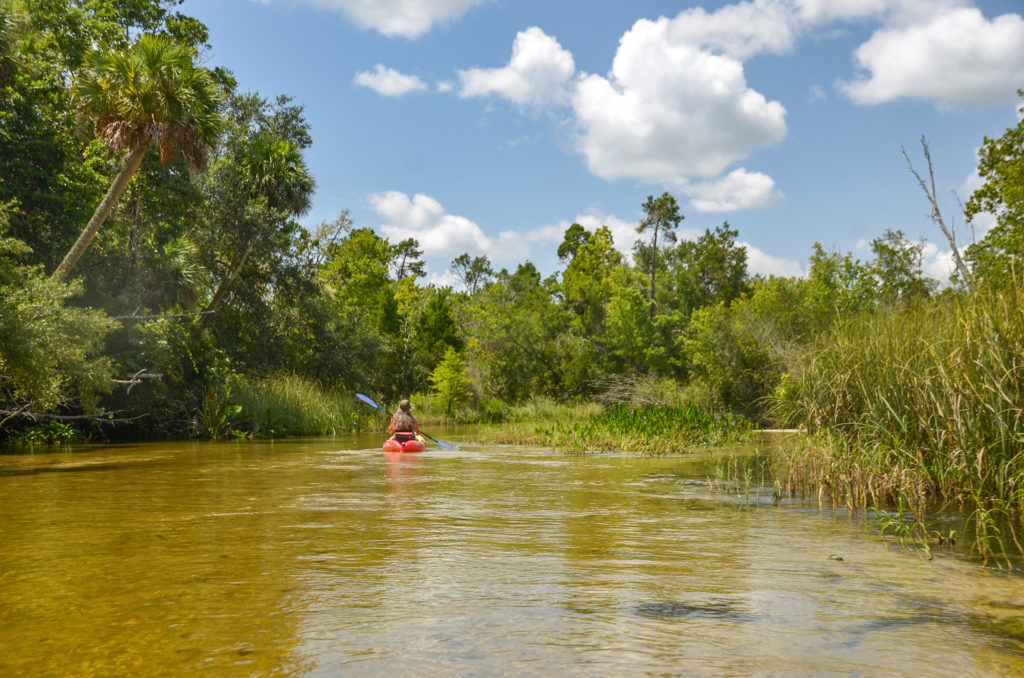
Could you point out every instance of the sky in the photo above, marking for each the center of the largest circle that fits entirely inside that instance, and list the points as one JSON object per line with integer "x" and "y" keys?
{"x": 488, "y": 127}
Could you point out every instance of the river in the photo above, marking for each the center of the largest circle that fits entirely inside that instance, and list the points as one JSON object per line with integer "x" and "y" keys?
{"x": 325, "y": 557}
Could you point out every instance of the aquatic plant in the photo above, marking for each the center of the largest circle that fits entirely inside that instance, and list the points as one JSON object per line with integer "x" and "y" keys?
{"x": 281, "y": 405}
{"x": 916, "y": 404}
{"x": 652, "y": 429}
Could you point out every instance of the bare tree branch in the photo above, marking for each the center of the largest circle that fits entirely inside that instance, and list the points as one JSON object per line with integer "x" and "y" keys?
{"x": 160, "y": 315}
{"x": 137, "y": 378}
{"x": 936, "y": 213}
{"x": 103, "y": 418}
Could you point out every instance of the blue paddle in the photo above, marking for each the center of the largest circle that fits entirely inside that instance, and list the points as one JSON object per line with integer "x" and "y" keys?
{"x": 369, "y": 401}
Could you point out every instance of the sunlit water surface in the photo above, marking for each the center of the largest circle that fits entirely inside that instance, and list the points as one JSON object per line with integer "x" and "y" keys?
{"x": 326, "y": 557}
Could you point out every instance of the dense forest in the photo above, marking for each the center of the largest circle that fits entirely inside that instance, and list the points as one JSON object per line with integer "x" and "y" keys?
{"x": 155, "y": 280}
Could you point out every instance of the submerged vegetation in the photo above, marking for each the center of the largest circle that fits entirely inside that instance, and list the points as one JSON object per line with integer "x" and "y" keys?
{"x": 202, "y": 307}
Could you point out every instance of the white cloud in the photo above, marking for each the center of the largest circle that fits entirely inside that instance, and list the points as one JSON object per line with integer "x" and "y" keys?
{"x": 623, "y": 232}
{"x": 399, "y": 18}
{"x": 740, "y": 30}
{"x": 816, "y": 94}
{"x": 441, "y": 234}
{"x": 957, "y": 57}
{"x": 937, "y": 263}
{"x": 424, "y": 218}
{"x": 758, "y": 262}
{"x": 537, "y": 75}
{"x": 445, "y": 279}
{"x": 738, "y": 190}
{"x": 669, "y": 111}
{"x": 389, "y": 82}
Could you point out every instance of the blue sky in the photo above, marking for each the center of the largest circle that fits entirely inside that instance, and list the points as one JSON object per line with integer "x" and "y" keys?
{"x": 489, "y": 126}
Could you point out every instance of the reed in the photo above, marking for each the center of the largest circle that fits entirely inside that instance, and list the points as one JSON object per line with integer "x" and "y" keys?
{"x": 652, "y": 429}
{"x": 916, "y": 404}
{"x": 282, "y": 405}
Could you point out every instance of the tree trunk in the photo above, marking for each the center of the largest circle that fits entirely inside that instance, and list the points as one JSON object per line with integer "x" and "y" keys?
{"x": 654, "y": 268}
{"x": 106, "y": 206}
{"x": 226, "y": 282}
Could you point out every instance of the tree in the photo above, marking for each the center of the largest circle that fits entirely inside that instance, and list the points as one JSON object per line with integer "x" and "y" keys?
{"x": 661, "y": 216}
{"x": 450, "y": 382}
{"x": 472, "y": 272}
{"x": 711, "y": 269}
{"x": 897, "y": 268}
{"x": 50, "y": 352}
{"x": 936, "y": 214}
{"x": 8, "y": 60}
{"x": 409, "y": 260}
{"x": 151, "y": 94}
{"x": 270, "y": 170}
{"x": 587, "y": 281}
{"x": 575, "y": 237}
{"x": 998, "y": 255}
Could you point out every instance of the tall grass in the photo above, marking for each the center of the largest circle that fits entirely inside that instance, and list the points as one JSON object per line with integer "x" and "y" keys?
{"x": 651, "y": 429}
{"x": 282, "y": 405}
{"x": 916, "y": 404}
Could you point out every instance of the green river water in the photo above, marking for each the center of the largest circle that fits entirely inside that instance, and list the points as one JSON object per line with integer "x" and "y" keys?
{"x": 325, "y": 557}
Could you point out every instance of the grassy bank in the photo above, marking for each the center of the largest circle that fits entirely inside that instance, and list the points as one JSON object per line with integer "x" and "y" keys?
{"x": 648, "y": 429}
{"x": 282, "y": 405}
{"x": 909, "y": 406}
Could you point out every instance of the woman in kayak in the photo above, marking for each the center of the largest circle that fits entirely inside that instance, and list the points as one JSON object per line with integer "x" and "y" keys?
{"x": 403, "y": 425}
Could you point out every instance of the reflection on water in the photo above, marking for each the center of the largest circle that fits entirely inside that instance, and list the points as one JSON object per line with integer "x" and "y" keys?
{"x": 327, "y": 557}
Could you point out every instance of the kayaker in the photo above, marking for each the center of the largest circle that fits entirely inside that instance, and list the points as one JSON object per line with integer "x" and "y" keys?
{"x": 403, "y": 425}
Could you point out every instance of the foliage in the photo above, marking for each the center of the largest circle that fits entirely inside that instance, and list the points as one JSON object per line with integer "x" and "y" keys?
{"x": 150, "y": 93}
{"x": 926, "y": 401}
{"x": 50, "y": 433}
{"x": 50, "y": 352}
{"x": 450, "y": 381}
{"x": 1001, "y": 167}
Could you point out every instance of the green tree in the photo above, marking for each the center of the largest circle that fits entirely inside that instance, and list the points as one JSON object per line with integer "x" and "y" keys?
{"x": 711, "y": 269}
{"x": 661, "y": 216}
{"x": 50, "y": 352}
{"x": 150, "y": 94}
{"x": 409, "y": 260}
{"x": 512, "y": 330}
{"x": 587, "y": 281}
{"x": 270, "y": 175}
{"x": 575, "y": 237}
{"x": 897, "y": 268}
{"x": 450, "y": 381}
{"x": 473, "y": 272}
{"x": 998, "y": 255}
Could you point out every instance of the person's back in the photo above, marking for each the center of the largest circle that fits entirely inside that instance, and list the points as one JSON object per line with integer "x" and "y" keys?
{"x": 403, "y": 421}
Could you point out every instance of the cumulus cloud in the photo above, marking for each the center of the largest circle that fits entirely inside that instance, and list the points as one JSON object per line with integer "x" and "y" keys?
{"x": 441, "y": 234}
{"x": 738, "y": 190}
{"x": 399, "y": 18}
{"x": 957, "y": 57}
{"x": 537, "y": 75}
{"x": 761, "y": 263}
{"x": 670, "y": 111}
{"x": 389, "y": 82}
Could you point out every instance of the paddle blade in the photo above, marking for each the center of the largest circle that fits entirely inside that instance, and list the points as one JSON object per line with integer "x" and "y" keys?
{"x": 369, "y": 401}
{"x": 440, "y": 443}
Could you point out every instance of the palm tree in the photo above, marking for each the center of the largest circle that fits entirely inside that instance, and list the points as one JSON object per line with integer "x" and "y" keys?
{"x": 151, "y": 94}
{"x": 272, "y": 170}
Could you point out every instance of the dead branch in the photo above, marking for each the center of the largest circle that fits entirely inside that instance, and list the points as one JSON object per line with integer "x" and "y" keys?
{"x": 160, "y": 315}
{"x": 936, "y": 213}
{"x": 137, "y": 378}
{"x": 102, "y": 418}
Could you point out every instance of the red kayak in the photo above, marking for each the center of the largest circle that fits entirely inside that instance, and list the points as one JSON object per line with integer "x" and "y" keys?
{"x": 411, "y": 445}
